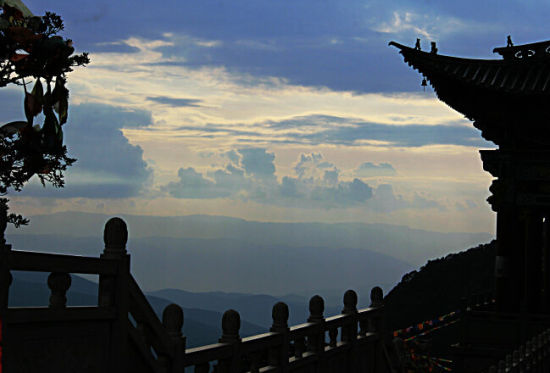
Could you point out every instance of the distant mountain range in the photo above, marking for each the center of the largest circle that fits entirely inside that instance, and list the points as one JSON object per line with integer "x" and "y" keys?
{"x": 214, "y": 253}
{"x": 413, "y": 246}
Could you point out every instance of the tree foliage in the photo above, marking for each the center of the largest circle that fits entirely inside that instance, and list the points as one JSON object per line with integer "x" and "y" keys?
{"x": 32, "y": 52}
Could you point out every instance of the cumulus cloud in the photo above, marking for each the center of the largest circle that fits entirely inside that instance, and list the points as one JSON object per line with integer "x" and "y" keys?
{"x": 306, "y": 163}
{"x": 385, "y": 200}
{"x": 369, "y": 169}
{"x": 107, "y": 166}
{"x": 466, "y": 205}
{"x": 257, "y": 162}
{"x": 312, "y": 186}
{"x": 192, "y": 184}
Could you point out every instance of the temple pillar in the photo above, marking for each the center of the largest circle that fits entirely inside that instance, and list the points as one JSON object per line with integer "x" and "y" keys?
{"x": 532, "y": 263}
{"x": 507, "y": 271}
{"x": 545, "y": 264}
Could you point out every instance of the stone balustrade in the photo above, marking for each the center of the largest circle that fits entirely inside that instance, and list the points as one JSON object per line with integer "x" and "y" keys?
{"x": 531, "y": 357}
{"x": 123, "y": 334}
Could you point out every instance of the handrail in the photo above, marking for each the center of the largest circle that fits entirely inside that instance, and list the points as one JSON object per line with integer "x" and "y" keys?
{"x": 46, "y": 262}
{"x": 305, "y": 343}
{"x": 15, "y": 315}
{"x": 143, "y": 313}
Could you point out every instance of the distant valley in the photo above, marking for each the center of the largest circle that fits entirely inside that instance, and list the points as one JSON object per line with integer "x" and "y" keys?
{"x": 212, "y": 253}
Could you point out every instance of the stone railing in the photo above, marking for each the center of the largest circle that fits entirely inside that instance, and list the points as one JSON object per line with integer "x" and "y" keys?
{"x": 531, "y": 357}
{"x": 123, "y": 334}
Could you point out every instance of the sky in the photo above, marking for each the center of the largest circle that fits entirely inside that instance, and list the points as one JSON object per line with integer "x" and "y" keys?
{"x": 288, "y": 111}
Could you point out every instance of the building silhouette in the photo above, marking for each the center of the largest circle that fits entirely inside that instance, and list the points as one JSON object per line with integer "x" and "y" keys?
{"x": 507, "y": 99}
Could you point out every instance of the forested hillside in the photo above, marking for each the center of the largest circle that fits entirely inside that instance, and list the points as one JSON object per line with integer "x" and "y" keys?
{"x": 438, "y": 287}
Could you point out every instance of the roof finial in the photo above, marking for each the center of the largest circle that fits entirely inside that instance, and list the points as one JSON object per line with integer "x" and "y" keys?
{"x": 509, "y": 41}
{"x": 417, "y": 45}
{"x": 434, "y": 48}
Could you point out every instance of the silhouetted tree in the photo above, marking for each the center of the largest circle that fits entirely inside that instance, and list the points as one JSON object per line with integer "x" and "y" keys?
{"x": 32, "y": 52}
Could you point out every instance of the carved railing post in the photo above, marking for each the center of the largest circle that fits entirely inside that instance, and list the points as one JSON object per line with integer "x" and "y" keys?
{"x": 172, "y": 319}
{"x": 379, "y": 322}
{"x": 58, "y": 283}
{"x": 545, "y": 354}
{"x": 349, "y": 330}
{"x": 378, "y": 325}
{"x": 231, "y": 323}
{"x": 316, "y": 340}
{"x": 278, "y": 356}
{"x": 113, "y": 291}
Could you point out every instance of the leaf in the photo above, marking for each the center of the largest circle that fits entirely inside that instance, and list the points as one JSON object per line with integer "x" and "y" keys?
{"x": 60, "y": 97}
{"x": 62, "y": 108}
{"x": 51, "y": 131}
{"x": 34, "y": 101}
{"x": 38, "y": 90}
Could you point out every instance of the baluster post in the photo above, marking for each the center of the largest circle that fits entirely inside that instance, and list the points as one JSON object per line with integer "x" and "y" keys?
{"x": 545, "y": 352}
{"x": 538, "y": 339}
{"x": 528, "y": 356}
{"x": 278, "y": 356}
{"x": 515, "y": 361}
{"x": 172, "y": 319}
{"x": 58, "y": 283}
{"x": 522, "y": 364}
{"x": 316, "y": 341}
{"x": 378, "y": 325}
{"x": 508, "y": 361}
{"x": 231, "y": 323}
{"x": 349, "y": 330}
{"x": 113, "y": 290}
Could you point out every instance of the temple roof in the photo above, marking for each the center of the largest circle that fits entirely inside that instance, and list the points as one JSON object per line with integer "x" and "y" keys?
{"x": 508, "y": 99}
{"x": 524, "y": 69}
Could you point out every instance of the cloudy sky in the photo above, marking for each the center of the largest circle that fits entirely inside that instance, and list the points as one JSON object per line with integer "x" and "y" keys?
{"x": 273, "y": 110}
